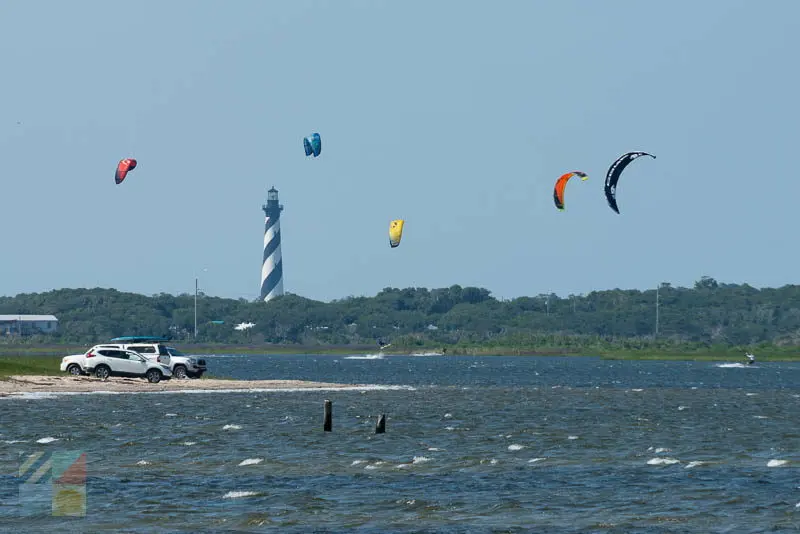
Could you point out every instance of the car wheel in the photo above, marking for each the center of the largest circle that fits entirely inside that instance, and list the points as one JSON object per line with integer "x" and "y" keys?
{"x": 102, "y": 372}
{"x": 153, "y": 376}
{"x": 74, "y": 369}
{"x": 179, "y": 371}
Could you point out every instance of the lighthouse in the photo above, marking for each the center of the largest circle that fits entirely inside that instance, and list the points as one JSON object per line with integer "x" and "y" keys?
{"x": 272, "y": 264}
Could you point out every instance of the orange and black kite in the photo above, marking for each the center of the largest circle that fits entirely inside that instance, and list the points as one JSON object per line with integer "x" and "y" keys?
{"x": 123, "y": 167}
{"x": 561, "y": 184}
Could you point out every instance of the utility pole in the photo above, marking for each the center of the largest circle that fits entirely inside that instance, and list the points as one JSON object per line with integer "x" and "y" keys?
{"x": 196, "y": 290}
{"x": 195, "y": 307}
{"x": 658, "y": 287}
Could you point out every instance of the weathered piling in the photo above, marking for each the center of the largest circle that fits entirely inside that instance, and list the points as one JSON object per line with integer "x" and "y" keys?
{"x": 327, "y": 423}
{"x": 380, "y": 426}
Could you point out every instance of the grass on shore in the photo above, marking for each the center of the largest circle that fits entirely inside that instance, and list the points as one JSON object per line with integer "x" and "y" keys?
{"x": 26, "y": 365}
{"x": 51, "y": 366}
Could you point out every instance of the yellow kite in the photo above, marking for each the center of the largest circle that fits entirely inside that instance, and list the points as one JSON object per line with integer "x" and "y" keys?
{"x": 395, "y": 232}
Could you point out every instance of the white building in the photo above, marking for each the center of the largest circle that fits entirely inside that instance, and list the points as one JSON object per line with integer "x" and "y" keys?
{"x": 28, "y": 324}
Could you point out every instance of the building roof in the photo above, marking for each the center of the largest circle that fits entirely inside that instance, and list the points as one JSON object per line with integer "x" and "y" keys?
{"x": 23, "y": 317}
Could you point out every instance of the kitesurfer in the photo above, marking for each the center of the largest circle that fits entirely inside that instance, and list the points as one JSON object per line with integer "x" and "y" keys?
{"x": 751, "y": 359}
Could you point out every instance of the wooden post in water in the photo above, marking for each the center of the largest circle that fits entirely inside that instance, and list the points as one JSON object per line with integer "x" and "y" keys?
{"x": 380, "y": 427}
{"x": 327, "y": 423}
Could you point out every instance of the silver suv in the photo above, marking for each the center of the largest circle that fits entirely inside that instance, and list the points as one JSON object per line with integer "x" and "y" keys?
{"x": 184, "y": 366}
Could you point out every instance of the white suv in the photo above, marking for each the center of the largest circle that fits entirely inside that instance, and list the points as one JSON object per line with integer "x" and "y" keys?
{"x": 182, "y": 366}
{"x": 105, "y": 361}
{"x": 74, "y": 364}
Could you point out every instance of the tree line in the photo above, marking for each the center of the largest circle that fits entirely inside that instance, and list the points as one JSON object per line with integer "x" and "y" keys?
{"x": 710, "y": 313}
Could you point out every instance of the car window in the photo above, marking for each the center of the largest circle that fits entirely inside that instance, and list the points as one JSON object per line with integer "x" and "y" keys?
{"x": 133, "y": 356}
{"x": 143, "y": 349}
{"x": 174, "y": 352}
{"x": 111, "y": 353}
{"x": 162, "y": 350}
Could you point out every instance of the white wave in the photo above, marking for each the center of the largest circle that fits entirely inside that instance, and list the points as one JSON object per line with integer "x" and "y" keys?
{"x": 142, "y": 462}
{"x": 572, "y": 437}
{"x": 761, "y": 417}
{"x": 448, "y": 416}
{"x": 694, "y": 464}
{"x": 426, "y": 354}
{"x": 515, "y": 447}
{"x": 435, "y": 449}
{"x": 251, "y": 461}
{"x": 365, "y": 357}
{"x": 534, "y": 460}
{"x": 239, "y": 494}
{"x": 777, "y": 463}
{"x": 662, "y": 461}
{"x": 189, "y": 443}
{"x": 46, "y": 440}
{"x": 375, "y": 465}
{"x": 733, "y": 365}
{"x": 55, "y": 394}
{"x": 170, "y": 415}
{"x": 356, "y": 462}
{"x": 637, "y": 390}
{"x": 420, "y": 459}
{"x": 661, "y": 449}
{"x": 231, "y": 427}
{"x": 13, "y": 441}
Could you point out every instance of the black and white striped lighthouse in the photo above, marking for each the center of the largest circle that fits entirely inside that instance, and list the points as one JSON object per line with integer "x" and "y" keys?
{"x": 272, "y": 264}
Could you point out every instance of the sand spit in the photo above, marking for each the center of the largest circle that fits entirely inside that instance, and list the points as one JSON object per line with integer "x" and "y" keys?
{"x": 84, "y": 384}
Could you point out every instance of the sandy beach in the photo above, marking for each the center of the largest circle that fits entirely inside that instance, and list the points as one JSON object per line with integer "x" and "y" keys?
{"x": 84, "y": 384}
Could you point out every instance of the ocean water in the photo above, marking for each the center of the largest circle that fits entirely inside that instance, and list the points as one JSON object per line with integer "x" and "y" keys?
{"x": 472, "y": 444}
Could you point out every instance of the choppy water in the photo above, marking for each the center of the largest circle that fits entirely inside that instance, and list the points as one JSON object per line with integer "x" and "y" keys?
{"x": 473, "y": 444}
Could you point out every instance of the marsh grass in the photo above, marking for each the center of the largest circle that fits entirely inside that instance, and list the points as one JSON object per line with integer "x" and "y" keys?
{"x": 29, "y": 365}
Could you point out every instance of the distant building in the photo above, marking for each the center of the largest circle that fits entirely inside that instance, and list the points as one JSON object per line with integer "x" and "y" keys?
{"x": 28, "y": 324}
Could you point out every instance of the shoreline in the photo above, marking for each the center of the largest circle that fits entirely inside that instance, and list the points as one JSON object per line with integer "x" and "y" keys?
{"x": 22, "y": 384}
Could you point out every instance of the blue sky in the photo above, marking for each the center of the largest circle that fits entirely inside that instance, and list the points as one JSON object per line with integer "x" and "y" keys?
{"x": 456, "y": 116}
